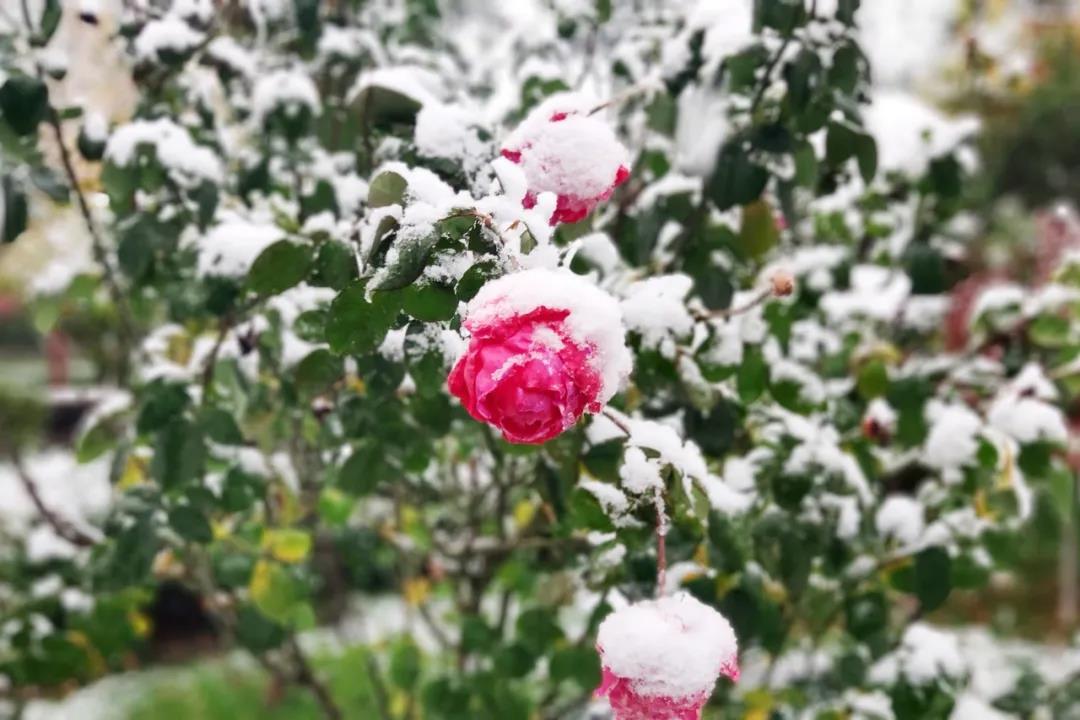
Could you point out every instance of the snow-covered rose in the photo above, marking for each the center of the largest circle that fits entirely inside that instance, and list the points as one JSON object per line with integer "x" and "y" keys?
{"x": 564, "y": 150}
{"x": 546, "y": 346}
{"x": 661, "y": 658}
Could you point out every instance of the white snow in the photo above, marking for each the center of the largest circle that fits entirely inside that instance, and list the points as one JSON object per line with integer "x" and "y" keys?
{"x": 910, "y": 132}
{"x": 639, "y": 474}
{"x": 228, "y": 51}
{"x": 229, "y": 249}
{"x": 952, "y": 440}
{"x": 577, "y": 156}
{"x": 1023, "y": 409}
{"x": 173, "y": 146}
{"x": 925, "y": 655}
{"x": 900, "y": 518}
{"x": 671, "y": 647}
{"x": 289, "y": 90}
{"x": 451, "y": 132}
{"x": 170, "y": 33}
{"x": 877, "y": 293}
{"x": 656, "y": 308}
{"x": 614, "y": 503}
{"x": 594, "y": 321}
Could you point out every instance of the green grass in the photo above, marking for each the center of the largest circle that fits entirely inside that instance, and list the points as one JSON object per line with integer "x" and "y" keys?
{"x": 217, "y": 690}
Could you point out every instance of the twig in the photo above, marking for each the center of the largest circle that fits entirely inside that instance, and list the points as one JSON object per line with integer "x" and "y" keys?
{"x": 62, "y": 527}
{"x": 745, "y": 307}
{"x": 766, "y": 79}
{"x": 306, "y": 677}
{"x": 631, "y": 92}
{"x": 436, "y": 631}
{"x": 382, "y": 701}
{"x": 618, "y": 422}
{"x": 96, "y": 242}
{"x": 661, "y": 550}
{"x": 211, "y": 360}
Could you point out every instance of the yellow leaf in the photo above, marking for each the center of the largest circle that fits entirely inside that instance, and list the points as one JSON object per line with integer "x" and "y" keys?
{"x": 261, "y": 579}
{"x": 134, "y": 472}
{"x": 287, "y": 545}
{"x": 524, "y": 512}
{"x": 416, "y": 590}
{"x": 140, "y": 623}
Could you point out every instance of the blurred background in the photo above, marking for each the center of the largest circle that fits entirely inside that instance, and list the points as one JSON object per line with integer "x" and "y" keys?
{"x": 1008, "y": 70}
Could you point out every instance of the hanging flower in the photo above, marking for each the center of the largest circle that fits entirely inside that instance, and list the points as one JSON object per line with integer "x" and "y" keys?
{"x": 564, "y": 150}
{"x": 661, "y": 658}
{"x": 546, "y": 346}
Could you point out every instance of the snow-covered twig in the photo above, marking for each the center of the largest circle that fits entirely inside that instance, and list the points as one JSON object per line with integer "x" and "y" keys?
{"x": 62, "y": 527}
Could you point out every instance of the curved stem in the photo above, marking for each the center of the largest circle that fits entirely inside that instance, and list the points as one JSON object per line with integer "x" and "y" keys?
{"x": 61, "y": 526}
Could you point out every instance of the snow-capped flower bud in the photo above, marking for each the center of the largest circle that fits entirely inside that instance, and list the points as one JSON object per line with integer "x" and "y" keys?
{"x": 546, "y": 347}
{"x": 564, "y": 150}
{"x": 661, "y": 658}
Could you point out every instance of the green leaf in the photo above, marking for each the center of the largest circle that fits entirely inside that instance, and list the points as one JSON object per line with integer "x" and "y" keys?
{"x": 356, "y": 326}
{"x": 24, "y": 102}
{"x": 844, "y": 142}
{"x": 275, "y": 592}
{"x": 335, "y": 266}
{"x": 580, "y": 665}
{"x": 220, "y": 426}
{"x": 845, "y": 11}
{"x": 753, "y": 375}
{"x": 873, "y": 380}
{"x": 867, "y": 156}
{"x": 933, "y": 577}
{"x": 15, "y": 210}
{"x": 387, "y": 188}
{"x": 603, "y": 11}
{"x": 179, "y": 454}
{"x": 318, "y": 371}
{"x": 404, "y": 262}
{"x": 587, "y": 513}
{"x": 131, "y": 556}
{"x": 736, "y": 180}
{"x": 190, "y": 524}
{"x": 758, "y": 232}
{"x": 474, "y": 279}
{"x": 256, "y": 632}
{"x": 429, "y": 302}
{"x": 362, "y": 472}
{"x": 844, "y": 70}
{"x": 603, "y": 460}
{"x": 279, "y": 267}
{"x": 803, "y": 76}
{"x": 162, "y": 401}
{"x": 51, "y": 12}
{"x": 405, "y": 664}
{"x": 1050, "y": 331}
{"x": 382, "y": 107}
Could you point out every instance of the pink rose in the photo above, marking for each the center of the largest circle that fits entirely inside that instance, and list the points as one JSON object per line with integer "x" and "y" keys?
{"x": 564, "y": 150}
{"x": 526, "y": 376}
{"x": 661, "y": 658}
{"x": 546, "y": 346}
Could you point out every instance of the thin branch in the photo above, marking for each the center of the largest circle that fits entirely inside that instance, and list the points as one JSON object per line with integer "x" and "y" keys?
{"x": 62, "y": 527}
{"x": 661, "y": 550}
{"x": 211, "y": 360}
{"x": 628, "y": 94}
{"x": 306, "y": 677}
{"x": 618, "y": 421}
{"x": 96, "y": 241}
{"x": 745, "y": 307}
